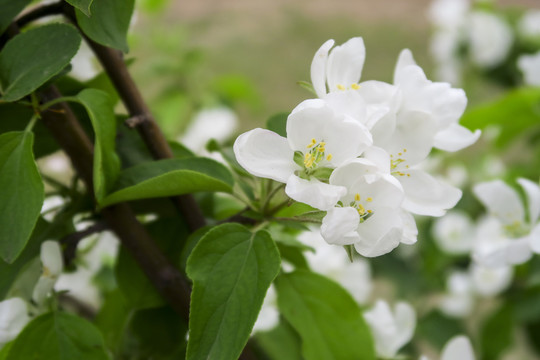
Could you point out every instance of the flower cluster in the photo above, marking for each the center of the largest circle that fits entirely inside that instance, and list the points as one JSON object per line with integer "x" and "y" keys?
{"x": 356, "y": 151}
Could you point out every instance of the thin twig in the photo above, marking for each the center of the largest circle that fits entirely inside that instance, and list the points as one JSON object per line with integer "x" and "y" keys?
{"x": 40, "y": 12}
{"x": 71, "y": 241}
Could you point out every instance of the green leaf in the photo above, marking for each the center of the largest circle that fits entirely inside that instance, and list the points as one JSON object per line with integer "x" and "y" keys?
{"x": 497, "y": 333}
{"x": 169, "y": 178}
{"x": 82, "y": 5}
{"x": 31, "y": 58}
{"x": 438, "y": 328}
{"x": 10, "y": 9}
{"x": 231, "y": 269}
{"x": 325, "y": 315}
{"x": 516, "y": 112}
{"x": 109, "y": 22}
{"x": 58, "y": 335}
{"x": 21, "y": 191}
{"x": 278, "y": 124}
{"x": 106, "y": 162}
{"x": 282, "y": 342}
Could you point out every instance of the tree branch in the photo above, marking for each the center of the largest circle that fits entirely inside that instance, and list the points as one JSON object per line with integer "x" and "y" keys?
{"x": 71, "y": 241}
{"x": 40, "y": 12}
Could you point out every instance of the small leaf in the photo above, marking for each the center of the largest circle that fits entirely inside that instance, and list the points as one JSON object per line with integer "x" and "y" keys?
{"x": 325, "y": 315}
{"x": 231, "y": 269}
{"x": 109, "y": 22}
{"x": 58, "y": 335}
{"x": 169, "y": 178}
{"x": 278, "y": 124}
{"x": 31, "y": 58}
{"x": 82, "y": 5}
{"x": 10, "y": 9}
{"x": 106, "y": 162}
{"x": 21, "y": 193}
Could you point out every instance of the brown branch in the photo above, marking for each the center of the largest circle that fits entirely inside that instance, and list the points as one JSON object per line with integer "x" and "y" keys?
{"x": 71, "y": 241}
{"x": 40, "y": 12}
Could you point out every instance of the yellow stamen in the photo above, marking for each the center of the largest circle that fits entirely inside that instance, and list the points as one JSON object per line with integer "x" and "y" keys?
{"x": 369, "y": 211}
{"x": 355, "y": 86}
{"x": 329, "y": 157}
{"x": 321, "y": 149}
{"x": 340, "y": 87}
{"x": 369, "y": 199}
{"x": 361, "y": 209}
{"x": 357, "y": 197}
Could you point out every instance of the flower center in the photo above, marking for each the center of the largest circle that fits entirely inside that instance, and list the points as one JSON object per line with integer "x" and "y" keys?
{"x": 315, "y": 154}
{"x": 396, "y": 164}
{"x": 516, "y": 230}
{"x": 352, "y": 86}
{"x": 361, "y": 206}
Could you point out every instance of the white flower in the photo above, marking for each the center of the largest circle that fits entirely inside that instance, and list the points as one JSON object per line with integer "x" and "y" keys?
{"x": 490, "y": 39}
{"x": 369, "y": 214}
{"x": 52, "y": 266}
{"x": 458, "y": 347}
{"x": 318, "y": 140}
{"x": 333, "y": 262}
{"x": 488, "y": 281}
{"x": 529, "y": 24}
{"x": 218, "y": 123}
{"x": 506, "y": 237}
{"x": 459, "y": 299}
{"x": 529, "y": 65}
{"x": 391, "y": 329}
{"x": 13, "y": 318}
{"x": 454, "y": 233}
{"x": 448, "y": 13}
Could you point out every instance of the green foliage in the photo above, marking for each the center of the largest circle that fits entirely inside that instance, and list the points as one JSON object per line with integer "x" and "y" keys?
{"x": 231, "y": 269}
{"x": 281, "y": 343}
{"x": 58, "y": 335}
{"x": 325, "y": 315}
{"x": 497, "y": 333}
{"x": 516, "y": 112}
{"x": 10, "y": 9}
{"x": 278, "y": 124}
{"x": 109, "y": 22}
{"x": 31, "y": 58}
{"x": 438, "y": 329}
{"x": 106, "y": 162}
{"x": 83, "y": 5}
{"x": 169, "y": 177}
{"x": 21, "y": 191}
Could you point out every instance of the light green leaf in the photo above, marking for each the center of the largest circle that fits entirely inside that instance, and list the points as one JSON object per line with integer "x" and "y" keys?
{"x": 31, "y": 58}
{"x": 58, "y": 335}
{"x": 106, "y": 163}
{"x": 10, "y": 9}
{"x": 327, "y": 318}
{"x": 169, "y": 178}
{"x": 109, "y": 22}
{"x": 516, "y": 112}
{"x": 82, "y": 5}
{"x": 21, "y": 193}
{"x": 231, "y": 269}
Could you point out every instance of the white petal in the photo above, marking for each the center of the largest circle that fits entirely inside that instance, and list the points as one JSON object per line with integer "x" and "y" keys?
{"x": 501, "y": 201}
{"x": 405, "y": 59}
{"x": 453, "y": 233}
{"x": 379, "y": 234}
{"x": 339, "y": 226}
{"x": 13, "y": 318}
{"x": 318, "y": 68}
{"x": 313, "y": 192}
{"x": 350, "y": 103}
{"x": 533, "y": 198}
{"x": 511, "y": 252}
{"x": 379, "y": 157}
{"x": 535, "y": 239}
{"x": 458, "y": 347}
{"x": 345, "y": 63}
{"x": 424, "y": 195}
{"x": 381, "y": 322}
{"x": 405, "y": 318}
{"x": 352, "y": 171}
{"x": 410, "y": 231}
{"x": 42, "y": 289}
{"x": 491, "y": 281}
{"x": 455, "y": 137}
{"x": 51, "y": 258}
{"x": 265, "y": 154}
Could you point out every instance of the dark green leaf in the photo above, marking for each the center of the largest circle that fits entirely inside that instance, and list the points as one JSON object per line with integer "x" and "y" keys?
{"x": 438, "y": 329}
{"x": 497, "y": 333}
{"x": 106, "y": 162}
{"x": 168, "y": 178}
{"x": 21, "y": 191}
{"x": 278, "y": 124}
{"x": 232, "y": 269}
{"x": 516, "y": 112}
{"x": 58, "y": 335}
{"x": 82, "y": 5}
{"x": 112, "y": 319}
{"x": 281, "y": 343}
{"x": 31, "y": 58}
{"x": 109, "y": 22}
{"x": 325, "y": 315}
{"x": 10, "y": 9}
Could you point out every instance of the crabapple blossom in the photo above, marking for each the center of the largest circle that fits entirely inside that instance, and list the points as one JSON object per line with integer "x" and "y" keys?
{"x": 529, "y": 24}
{"x": 490, "y": 39}
{"x": 318, "y": 140}
{"x": 52, "y": 264}
{"x": 13, "y": 318}
{"x": 454, "y": 233}
{"x": 458, "y": 347}
{"x": 391, "y": 329}
{"x": 530, "y": 67}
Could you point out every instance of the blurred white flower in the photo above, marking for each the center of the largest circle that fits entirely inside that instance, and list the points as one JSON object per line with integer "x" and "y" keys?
{"x": 13, "y": 318}
{"x": 457, "y": 348}
{"x": 51, "y": 205}
{"x": 333, "y": 262}
{"x": 529, "y": 65}
{"x": 448, "y": 13}
{"x": 454, "y": 232}
{"x": 529, "y": 24}
{"x": 84, "y": 64}
{"x": 269, "y": 315}
{"x": 490, "y": 39}
{"x": 52, "y": 266}
{"x": 218, "y": 123}
{"x": 391, "y": 329}
{"x": 459, "y": 299}
{"x": 490, "y": 281}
